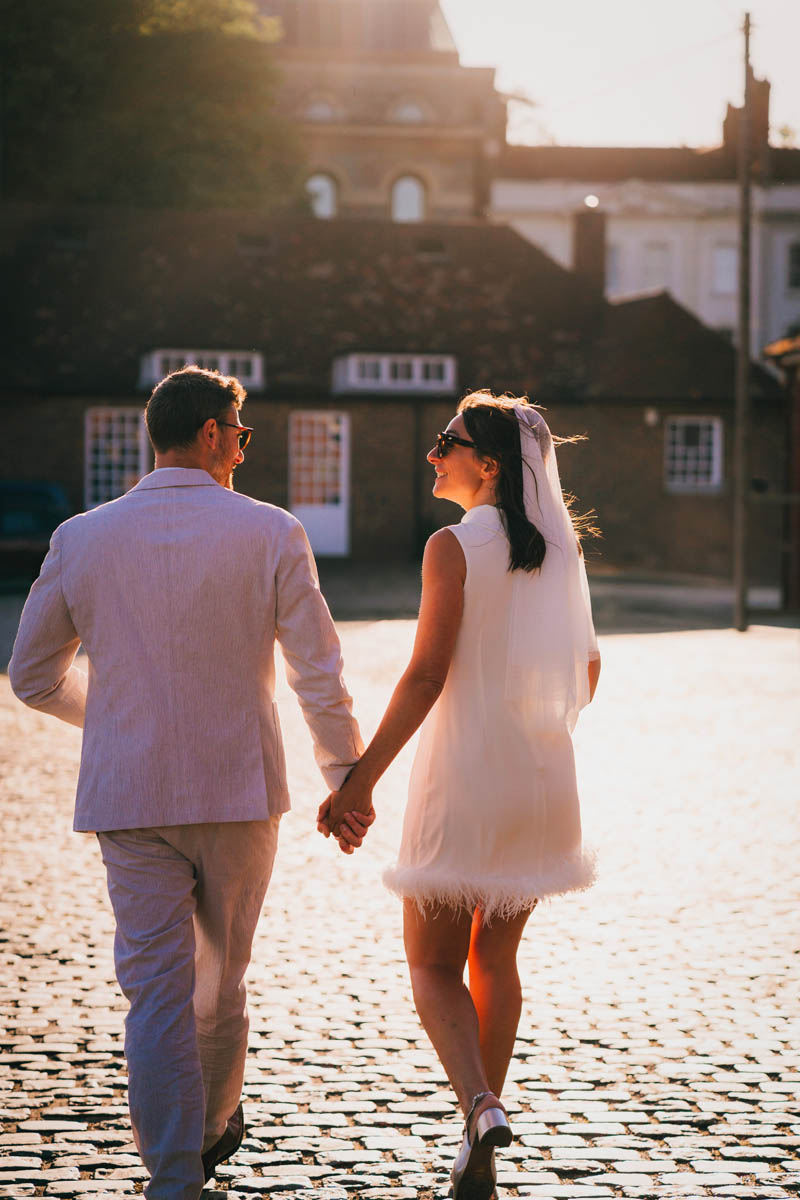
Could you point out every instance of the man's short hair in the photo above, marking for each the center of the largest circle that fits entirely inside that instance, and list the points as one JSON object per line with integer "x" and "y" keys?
{"x": 182, "y": 403}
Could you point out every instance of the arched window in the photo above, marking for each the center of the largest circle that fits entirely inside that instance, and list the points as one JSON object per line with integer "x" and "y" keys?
{"x": 408, "y": 199}
{"x": 322, "y": 192}
{"x": 408, "y": 112}
{"x": 322, "y": 108}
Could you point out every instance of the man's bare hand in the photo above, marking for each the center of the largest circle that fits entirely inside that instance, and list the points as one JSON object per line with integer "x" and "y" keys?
{"x": 348, "y": 826}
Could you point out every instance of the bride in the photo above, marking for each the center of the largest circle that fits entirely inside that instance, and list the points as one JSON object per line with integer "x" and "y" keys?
{"x": 505, "y": 656}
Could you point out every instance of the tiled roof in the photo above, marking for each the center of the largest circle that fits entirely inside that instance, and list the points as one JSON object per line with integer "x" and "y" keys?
{"x": 651, "y": 348}
{"x": 93, "y": 290}
{"x": 667, "y": 164}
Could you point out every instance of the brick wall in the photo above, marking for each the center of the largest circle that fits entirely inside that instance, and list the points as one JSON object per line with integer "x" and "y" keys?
{"x": 382, "y": 480}
{"x": 619, "y": 472}
{"x": 47, "y": 435}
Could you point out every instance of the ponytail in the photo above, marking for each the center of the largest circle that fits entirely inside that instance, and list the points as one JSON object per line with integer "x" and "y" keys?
{"x": 494, "y": 429}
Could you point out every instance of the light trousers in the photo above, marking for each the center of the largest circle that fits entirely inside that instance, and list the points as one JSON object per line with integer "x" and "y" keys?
{"x": 186, "y": 899}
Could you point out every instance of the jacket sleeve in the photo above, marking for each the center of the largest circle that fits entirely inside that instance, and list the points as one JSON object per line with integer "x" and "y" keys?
{"x": 42, "y": 670}
{"x": 310, "y": 646}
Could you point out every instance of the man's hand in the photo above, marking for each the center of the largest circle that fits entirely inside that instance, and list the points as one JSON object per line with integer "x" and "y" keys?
{"x": 347, "y": 814}
{"x": 352, "y": 830}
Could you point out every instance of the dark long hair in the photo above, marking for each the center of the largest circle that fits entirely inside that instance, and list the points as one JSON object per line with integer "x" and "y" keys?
{"x": 493, "y": 426}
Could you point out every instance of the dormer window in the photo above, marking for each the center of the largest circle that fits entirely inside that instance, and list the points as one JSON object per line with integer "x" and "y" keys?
{"x": 246, "y": 365}
{"x": 322, "y": 108}
{"x": 408, "y": 112}
{"x": 394, "y": 373}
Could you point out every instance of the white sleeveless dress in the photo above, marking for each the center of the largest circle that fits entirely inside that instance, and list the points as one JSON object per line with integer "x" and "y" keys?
{"x": 493, "y": 817}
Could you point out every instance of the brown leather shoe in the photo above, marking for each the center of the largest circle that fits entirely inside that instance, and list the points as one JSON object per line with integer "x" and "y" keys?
{"x": 227, "y": 1145}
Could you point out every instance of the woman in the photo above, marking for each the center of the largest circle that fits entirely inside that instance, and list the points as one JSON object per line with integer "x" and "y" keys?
{"x": 505, "y": 656}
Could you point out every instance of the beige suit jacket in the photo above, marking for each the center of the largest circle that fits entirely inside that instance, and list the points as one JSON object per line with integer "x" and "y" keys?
{"x": 178, "y": 592}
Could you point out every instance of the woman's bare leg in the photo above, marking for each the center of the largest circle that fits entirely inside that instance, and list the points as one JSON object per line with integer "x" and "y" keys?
{"x": 495, "y": 990}
{"x": 437, "y": 943}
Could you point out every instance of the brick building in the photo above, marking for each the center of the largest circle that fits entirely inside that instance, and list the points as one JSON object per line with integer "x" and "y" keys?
{"x": 356, "y": 340}
{"x": 392, "y": 125}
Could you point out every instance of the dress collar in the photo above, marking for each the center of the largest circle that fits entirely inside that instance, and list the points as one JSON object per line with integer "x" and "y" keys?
{"x": 486, "y": 515}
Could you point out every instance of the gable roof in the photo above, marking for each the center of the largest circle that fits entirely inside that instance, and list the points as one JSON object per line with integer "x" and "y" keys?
{"x": 651, "y": 347}
{"x": 95, "y": 289}
{"x": 666, "y": 164}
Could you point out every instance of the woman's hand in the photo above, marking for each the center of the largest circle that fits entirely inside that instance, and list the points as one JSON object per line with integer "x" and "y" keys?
{"x": 348, "y": 824}
{"x": 348, "y": 813}
{"x": 352, "y": 797}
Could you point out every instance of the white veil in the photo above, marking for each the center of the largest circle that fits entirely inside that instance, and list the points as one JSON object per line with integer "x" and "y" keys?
{"x": 551, "y": 635}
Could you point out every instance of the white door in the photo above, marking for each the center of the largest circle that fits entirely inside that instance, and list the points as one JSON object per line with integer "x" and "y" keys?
{"x": 319, "y": 478}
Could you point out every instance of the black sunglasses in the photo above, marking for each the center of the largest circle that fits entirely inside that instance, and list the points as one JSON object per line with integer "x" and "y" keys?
{"x": 245, "y": 432}
{"x": 446, "y": 441}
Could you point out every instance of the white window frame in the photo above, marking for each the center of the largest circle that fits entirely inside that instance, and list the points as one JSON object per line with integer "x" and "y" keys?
{"x": 128, "y": 438}
{"x": 394, "y": 373}
{"x": 246, "y": 365}
{"x": 323, "y": 193}
{"x": 409, "y": 204}
{"x": 724, "y": 270}
{"x": 678, "y": 476}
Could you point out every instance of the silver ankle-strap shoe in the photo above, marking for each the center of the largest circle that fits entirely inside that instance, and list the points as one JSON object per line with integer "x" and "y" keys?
{"x": 474, "y": 1175}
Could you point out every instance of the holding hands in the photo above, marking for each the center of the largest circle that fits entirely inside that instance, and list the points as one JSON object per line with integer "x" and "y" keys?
{"x": 347, "y": 814}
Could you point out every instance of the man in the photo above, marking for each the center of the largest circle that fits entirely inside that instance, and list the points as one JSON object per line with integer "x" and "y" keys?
{"x": 178, "y": 591}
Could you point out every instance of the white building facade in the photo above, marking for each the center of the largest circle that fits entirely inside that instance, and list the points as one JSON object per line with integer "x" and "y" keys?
{"x": 676, "y": 237}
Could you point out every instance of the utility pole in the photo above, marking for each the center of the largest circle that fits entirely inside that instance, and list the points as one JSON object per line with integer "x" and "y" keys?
{"x": 742, "y": 396}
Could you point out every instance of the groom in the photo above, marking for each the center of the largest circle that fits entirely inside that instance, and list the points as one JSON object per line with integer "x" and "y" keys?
{"x": 178, "y": 591}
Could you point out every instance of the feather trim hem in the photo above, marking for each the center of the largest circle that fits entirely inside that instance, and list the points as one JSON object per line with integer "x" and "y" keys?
{"x": 496, "y": 896}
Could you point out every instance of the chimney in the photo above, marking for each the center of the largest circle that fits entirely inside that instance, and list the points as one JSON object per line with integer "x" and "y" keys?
{"x": 759, "y": 125}
{"x": 589, "y": 248}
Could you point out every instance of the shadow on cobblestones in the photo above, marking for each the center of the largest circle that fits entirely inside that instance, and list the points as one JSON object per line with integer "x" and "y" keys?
{"x": 658, "y": 1052}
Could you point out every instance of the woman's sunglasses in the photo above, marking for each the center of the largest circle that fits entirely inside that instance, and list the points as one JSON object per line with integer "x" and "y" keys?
{"x": 245, "y": 432}
{"x": 446, "y": 441}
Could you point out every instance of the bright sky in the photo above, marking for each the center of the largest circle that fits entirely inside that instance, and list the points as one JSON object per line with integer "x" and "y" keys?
{"x": 630, "y": 72}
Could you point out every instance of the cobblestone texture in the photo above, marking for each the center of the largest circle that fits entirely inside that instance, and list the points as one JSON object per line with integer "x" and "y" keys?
{"x": 658, "y": 1053}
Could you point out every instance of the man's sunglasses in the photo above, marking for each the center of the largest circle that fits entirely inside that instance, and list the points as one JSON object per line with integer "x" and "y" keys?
{"x": 245, "y": 432}
{"x": 446, "y": 441}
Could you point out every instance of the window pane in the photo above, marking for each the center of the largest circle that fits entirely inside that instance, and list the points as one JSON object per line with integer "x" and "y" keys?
{"x": 657, "y": 266}
{"x": 323, "y": 193}
{"x": 408, "y": 199}
{"x": 408, "y": 112}
{"x": 315, "y": 459}
{"x": 612, "y": 267}
{"x": 693, "y": 453}
{"x": 794, "y": 265}
{"x": 432, "y": 370}
{"x": 369, "y": 368}
{"x": 724, "y": 270}
{"x": 116, "y": 454}
{"x": 322, "y": 110}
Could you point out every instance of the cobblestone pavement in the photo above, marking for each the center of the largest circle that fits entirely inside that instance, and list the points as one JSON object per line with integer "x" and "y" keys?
{"x": 658, "y": 1053}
